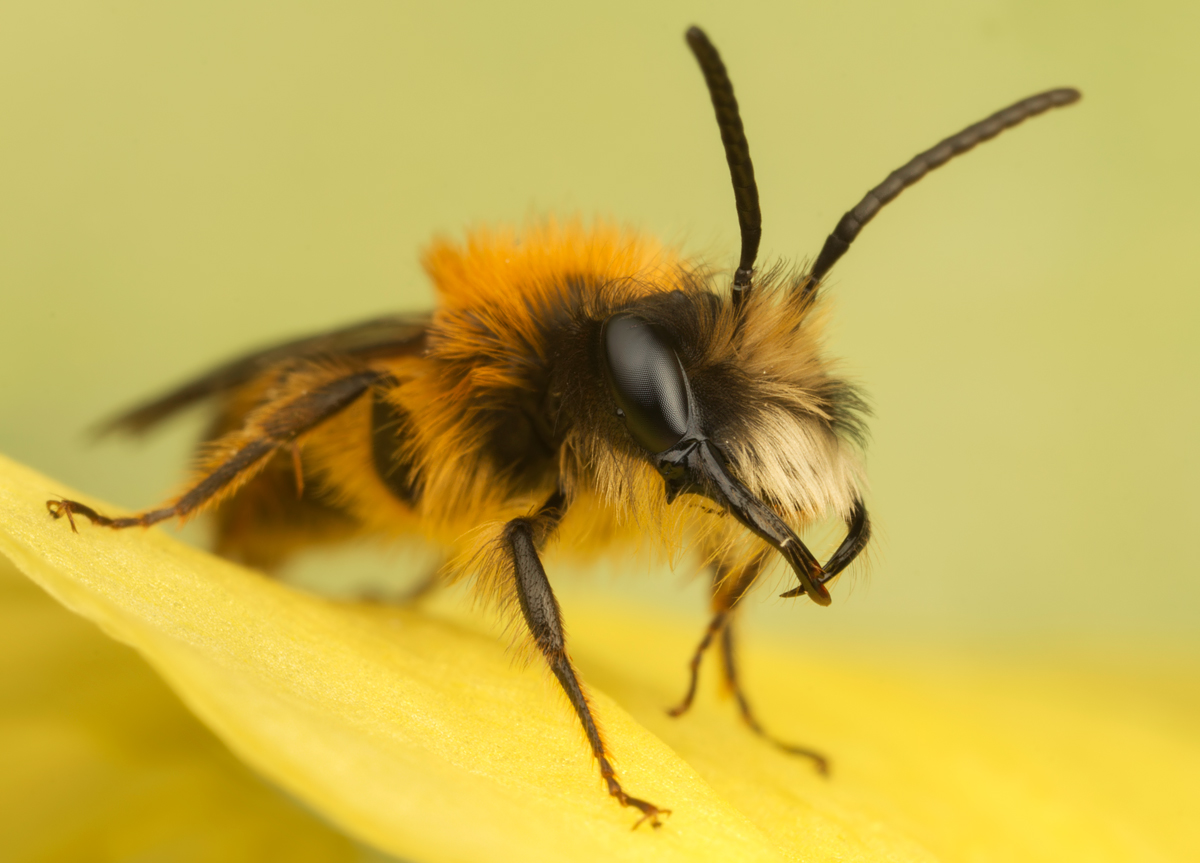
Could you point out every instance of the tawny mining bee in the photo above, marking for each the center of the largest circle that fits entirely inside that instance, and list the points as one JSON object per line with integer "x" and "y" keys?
{"x": 584, "y": 383}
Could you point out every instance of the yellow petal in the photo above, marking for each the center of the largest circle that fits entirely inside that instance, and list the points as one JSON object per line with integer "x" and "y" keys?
{"x": 418, "y": 736}
{"x": 99, "y": 759}
{"x": 422, "y": 738}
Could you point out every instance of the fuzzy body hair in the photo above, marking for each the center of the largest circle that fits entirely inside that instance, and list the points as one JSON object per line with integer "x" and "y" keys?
{"x": 503, "y": 400}
{"x": 508, "y": 402}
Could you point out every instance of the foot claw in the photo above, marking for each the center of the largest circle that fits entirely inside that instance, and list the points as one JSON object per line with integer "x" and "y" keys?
{"x": 650, "y": 812}
{"x": 820, "y": 762}
{"x": 70, "y": 508}
{"x": 60, "y": 507}
{"x": 679, "y": 709}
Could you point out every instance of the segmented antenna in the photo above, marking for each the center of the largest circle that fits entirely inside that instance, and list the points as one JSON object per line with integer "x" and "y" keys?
{"x": 847, "y": 229}
{"x": 737, "y": 154}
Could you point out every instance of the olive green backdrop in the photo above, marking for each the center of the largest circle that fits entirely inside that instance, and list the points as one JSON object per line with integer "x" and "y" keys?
{"x": 179, "y": 182}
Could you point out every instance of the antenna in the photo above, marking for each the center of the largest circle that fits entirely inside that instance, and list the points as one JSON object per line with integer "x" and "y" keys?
{"x": 737, "y": 154}
{"x": 856, "y": 219}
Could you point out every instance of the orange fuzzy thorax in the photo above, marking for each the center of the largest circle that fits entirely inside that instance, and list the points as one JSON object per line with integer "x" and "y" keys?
{"x": 505, "y": 270}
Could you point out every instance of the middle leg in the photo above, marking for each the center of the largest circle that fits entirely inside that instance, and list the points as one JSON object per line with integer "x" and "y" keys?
{"x": 729, "y": 588}
{"x": 729, "y": 664}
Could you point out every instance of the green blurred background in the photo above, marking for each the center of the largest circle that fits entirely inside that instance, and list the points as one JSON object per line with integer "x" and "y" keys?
{"x": 180, "y": 182}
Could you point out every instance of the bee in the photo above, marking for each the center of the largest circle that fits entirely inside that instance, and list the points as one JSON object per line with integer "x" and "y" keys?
{"x": 579, "y": 383}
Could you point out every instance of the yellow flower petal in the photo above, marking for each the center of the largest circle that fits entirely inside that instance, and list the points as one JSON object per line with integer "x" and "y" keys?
{"x": 421, "y": 736}
{"x": 99, "y": 759}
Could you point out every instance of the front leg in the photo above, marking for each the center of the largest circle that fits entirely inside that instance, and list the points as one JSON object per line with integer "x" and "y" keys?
{"x": 544, "y": 619}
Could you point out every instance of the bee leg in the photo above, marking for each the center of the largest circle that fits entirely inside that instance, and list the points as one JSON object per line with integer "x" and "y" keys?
{"x": 714, "y": 626}
{"x": 729, "y": 585}
{"x": 544, "y": 619}
{"x": 241, "y": 454}
{"x": 731, "y": 677}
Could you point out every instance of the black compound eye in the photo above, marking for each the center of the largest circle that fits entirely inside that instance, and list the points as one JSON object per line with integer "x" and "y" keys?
{"x": 647, "y": 382}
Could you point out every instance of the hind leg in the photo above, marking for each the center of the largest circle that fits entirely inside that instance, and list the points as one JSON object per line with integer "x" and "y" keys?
{"x": 305, "y": 401}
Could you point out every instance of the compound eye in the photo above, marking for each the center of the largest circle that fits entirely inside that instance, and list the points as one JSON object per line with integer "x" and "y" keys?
{"x": 647, "y": 382}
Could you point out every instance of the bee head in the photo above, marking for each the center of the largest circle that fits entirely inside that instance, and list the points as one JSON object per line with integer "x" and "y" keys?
{"x": 686, "y": 379}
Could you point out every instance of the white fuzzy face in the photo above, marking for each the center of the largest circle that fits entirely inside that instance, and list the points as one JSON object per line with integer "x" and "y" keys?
{"x": 798, "y": 464}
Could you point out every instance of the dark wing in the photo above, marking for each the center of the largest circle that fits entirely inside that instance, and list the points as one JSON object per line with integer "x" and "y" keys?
{"x": 381, "y": 337}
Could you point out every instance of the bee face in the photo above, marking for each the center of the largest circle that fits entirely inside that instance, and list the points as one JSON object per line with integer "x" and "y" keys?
{"x": 734, "y": 405}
